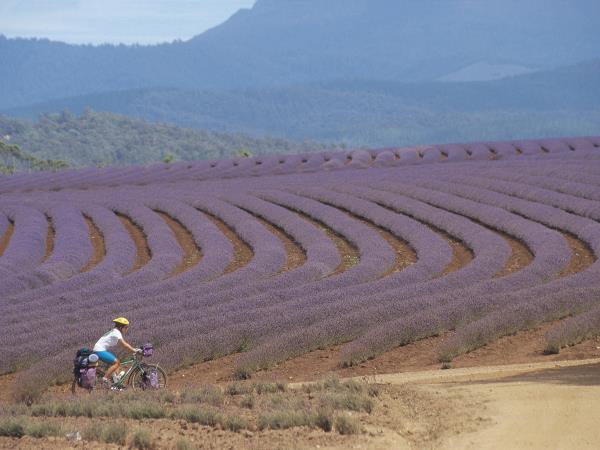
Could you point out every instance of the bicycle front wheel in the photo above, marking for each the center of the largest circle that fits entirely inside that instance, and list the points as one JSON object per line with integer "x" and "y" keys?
{"x": 141, "y": 379}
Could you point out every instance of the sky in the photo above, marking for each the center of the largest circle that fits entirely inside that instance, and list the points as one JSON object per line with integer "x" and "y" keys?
{"x": 114, "y": 21}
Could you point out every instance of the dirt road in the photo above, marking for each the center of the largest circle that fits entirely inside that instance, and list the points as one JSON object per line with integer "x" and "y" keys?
{"x": 527, "y": 406}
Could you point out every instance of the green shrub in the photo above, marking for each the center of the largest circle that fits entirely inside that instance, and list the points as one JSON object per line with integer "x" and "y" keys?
{"x": 239, "y": 389}
{"x": 144, "y": 410}
{"x": 115, "y": 433}
{"x": 142, "y": 439}
{"x": 93, "y": 433}
{"x": 247, "y": 401}
{"x": 373, "y": 390}
{"x": 348, "y": 401}
{"x": 184, "y": 444}
{"x": 235, "y": 423}
{"x": 201, "y": 416}
{"x": 43, "y": 429}
{"x": 345, "y": 424}
{"x": 269, "y": 388}
{"x": 242, "y": 373}
{"x": 12, "y": 428}
{"x": 324, "y": 420}
{"x": 208, "y": 394}
{"x": 281, "y": 420}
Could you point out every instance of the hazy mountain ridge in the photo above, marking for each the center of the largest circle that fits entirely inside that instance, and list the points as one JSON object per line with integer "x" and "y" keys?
{"x": 298, "y": 41}
{"x": 374, "y": 113}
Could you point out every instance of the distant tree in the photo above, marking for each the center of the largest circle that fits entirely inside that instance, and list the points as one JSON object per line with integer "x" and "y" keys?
{"x": 168, "y": 158}
{"x": 244, "y": 153}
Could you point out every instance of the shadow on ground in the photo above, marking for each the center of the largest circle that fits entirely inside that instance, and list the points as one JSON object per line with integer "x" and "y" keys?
{"x": 588, "y": 375}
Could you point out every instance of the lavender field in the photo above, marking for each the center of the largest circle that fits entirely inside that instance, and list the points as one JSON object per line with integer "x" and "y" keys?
{"x": 278, "y": 256}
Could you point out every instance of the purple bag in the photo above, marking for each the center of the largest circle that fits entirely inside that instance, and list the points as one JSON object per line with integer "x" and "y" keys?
{"x": 151, "y": 379}
{"x": 147, "y": 350}
{"x": 87, "y": 377}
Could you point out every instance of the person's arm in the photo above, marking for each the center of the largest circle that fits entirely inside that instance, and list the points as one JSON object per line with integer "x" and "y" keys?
{"x": 127, "y": 346}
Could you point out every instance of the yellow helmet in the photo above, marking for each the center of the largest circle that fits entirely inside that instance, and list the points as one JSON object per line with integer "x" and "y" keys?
{"x": 121, "y": 321}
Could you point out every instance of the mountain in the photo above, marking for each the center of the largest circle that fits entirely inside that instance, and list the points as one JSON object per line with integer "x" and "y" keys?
{"x": 283, "y": 42}
{"x": 371, "y": 113}
{"x": 100, "y": 138}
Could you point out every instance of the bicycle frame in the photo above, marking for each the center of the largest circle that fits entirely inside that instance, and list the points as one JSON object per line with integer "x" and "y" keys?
{"x": 133, "y": 362}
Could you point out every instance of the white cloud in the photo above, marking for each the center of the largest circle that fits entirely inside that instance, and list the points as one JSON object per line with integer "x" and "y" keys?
{"x": 127, "y": 21}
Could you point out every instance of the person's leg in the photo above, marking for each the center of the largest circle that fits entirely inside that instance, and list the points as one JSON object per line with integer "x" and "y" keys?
{"x": 111, "y": 360}
{"x": 112, "y": 369}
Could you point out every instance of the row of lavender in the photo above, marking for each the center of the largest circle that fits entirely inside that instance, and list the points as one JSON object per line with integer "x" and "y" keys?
{"x": 274, "y": 314}
{"x": 288, "y": 164}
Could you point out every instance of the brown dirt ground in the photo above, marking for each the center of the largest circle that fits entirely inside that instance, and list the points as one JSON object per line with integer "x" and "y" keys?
{"x": 405, "y": 255}
{"x": 582, "y": 255}
{"x": 192, "y": 255}
{"x": 6, "y": 237}
{"x": 242, "y": 252}
{"x": 49, "y": 240}
{"x": 349, "y": 254}
{"x": 139, "y": 238}
{"x": 99, "y": 248}
{"x": 520, "y": 256}
{"x": 296, "y": 256}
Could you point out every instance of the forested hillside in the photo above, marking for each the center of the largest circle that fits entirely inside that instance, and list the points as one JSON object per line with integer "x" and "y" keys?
{"x": 13, "y": 159}
{"x": 411, "y": 42}
{"x": 374, "y": 113}
{"x": 99, "y": 138}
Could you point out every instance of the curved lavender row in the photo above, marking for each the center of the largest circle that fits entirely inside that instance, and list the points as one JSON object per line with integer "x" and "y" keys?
{"x": 379, "y": 340}
{"x": 574, "y": 329}
{"x": 27, "y": 245}
{"x": 252, "y": 231}
{"x": 4, "y": 223}
{"x": 217, "y": 250}
{"x": 548, "y": 215}
{"x": 269, "y": 257}
{"x": 567, "y": 180}
{"x": 569, "y": 203}
{"x": 281, "y": 347}
{"x": 376, "y": 256}
{"x": 165, "y": 257}
{"x": 504, "y": 322}
{"x": 119, "y": 259}
{"x": 531, "y": 311}
{"x": 320, "y": 251}
{"x": 574, "y": 188}
{"x": 71, "y": 252}
{"x": 217, "y": 322}
{"x": 314, "y": 161}
{"x": 433, "y": 253}
{"x": 551, "y": 252}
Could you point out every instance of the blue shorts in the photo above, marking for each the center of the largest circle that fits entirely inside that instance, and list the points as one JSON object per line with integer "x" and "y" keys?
{"x": 106, "y": 357}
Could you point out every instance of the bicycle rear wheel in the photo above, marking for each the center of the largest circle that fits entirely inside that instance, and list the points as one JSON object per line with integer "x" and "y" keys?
{"x": 139, "y": 379}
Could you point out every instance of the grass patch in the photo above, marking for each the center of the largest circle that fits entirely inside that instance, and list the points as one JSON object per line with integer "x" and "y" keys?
{"x": 113, "y": 433}
{"x": 43, "y": 429}
{"x": 346, "y": 425}
{"x": 12, "y": 428}
{"x": 282, "y": 420}
{"x": 347, "y": 401}
{"x": 248, "y": 401}
{"x": 239, "y": 389}
{"x": 235, "y": 423}
{"x": 200, "y": 416}
{"x": 142, "y": 439}
{"x": 211, "y": 395}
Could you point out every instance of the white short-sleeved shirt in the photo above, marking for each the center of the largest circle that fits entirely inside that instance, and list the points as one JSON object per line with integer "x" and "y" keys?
{"x": 109, "y": 340}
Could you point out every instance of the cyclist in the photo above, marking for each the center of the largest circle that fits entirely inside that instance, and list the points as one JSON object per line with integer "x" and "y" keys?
{"x": 109, "y": 340}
